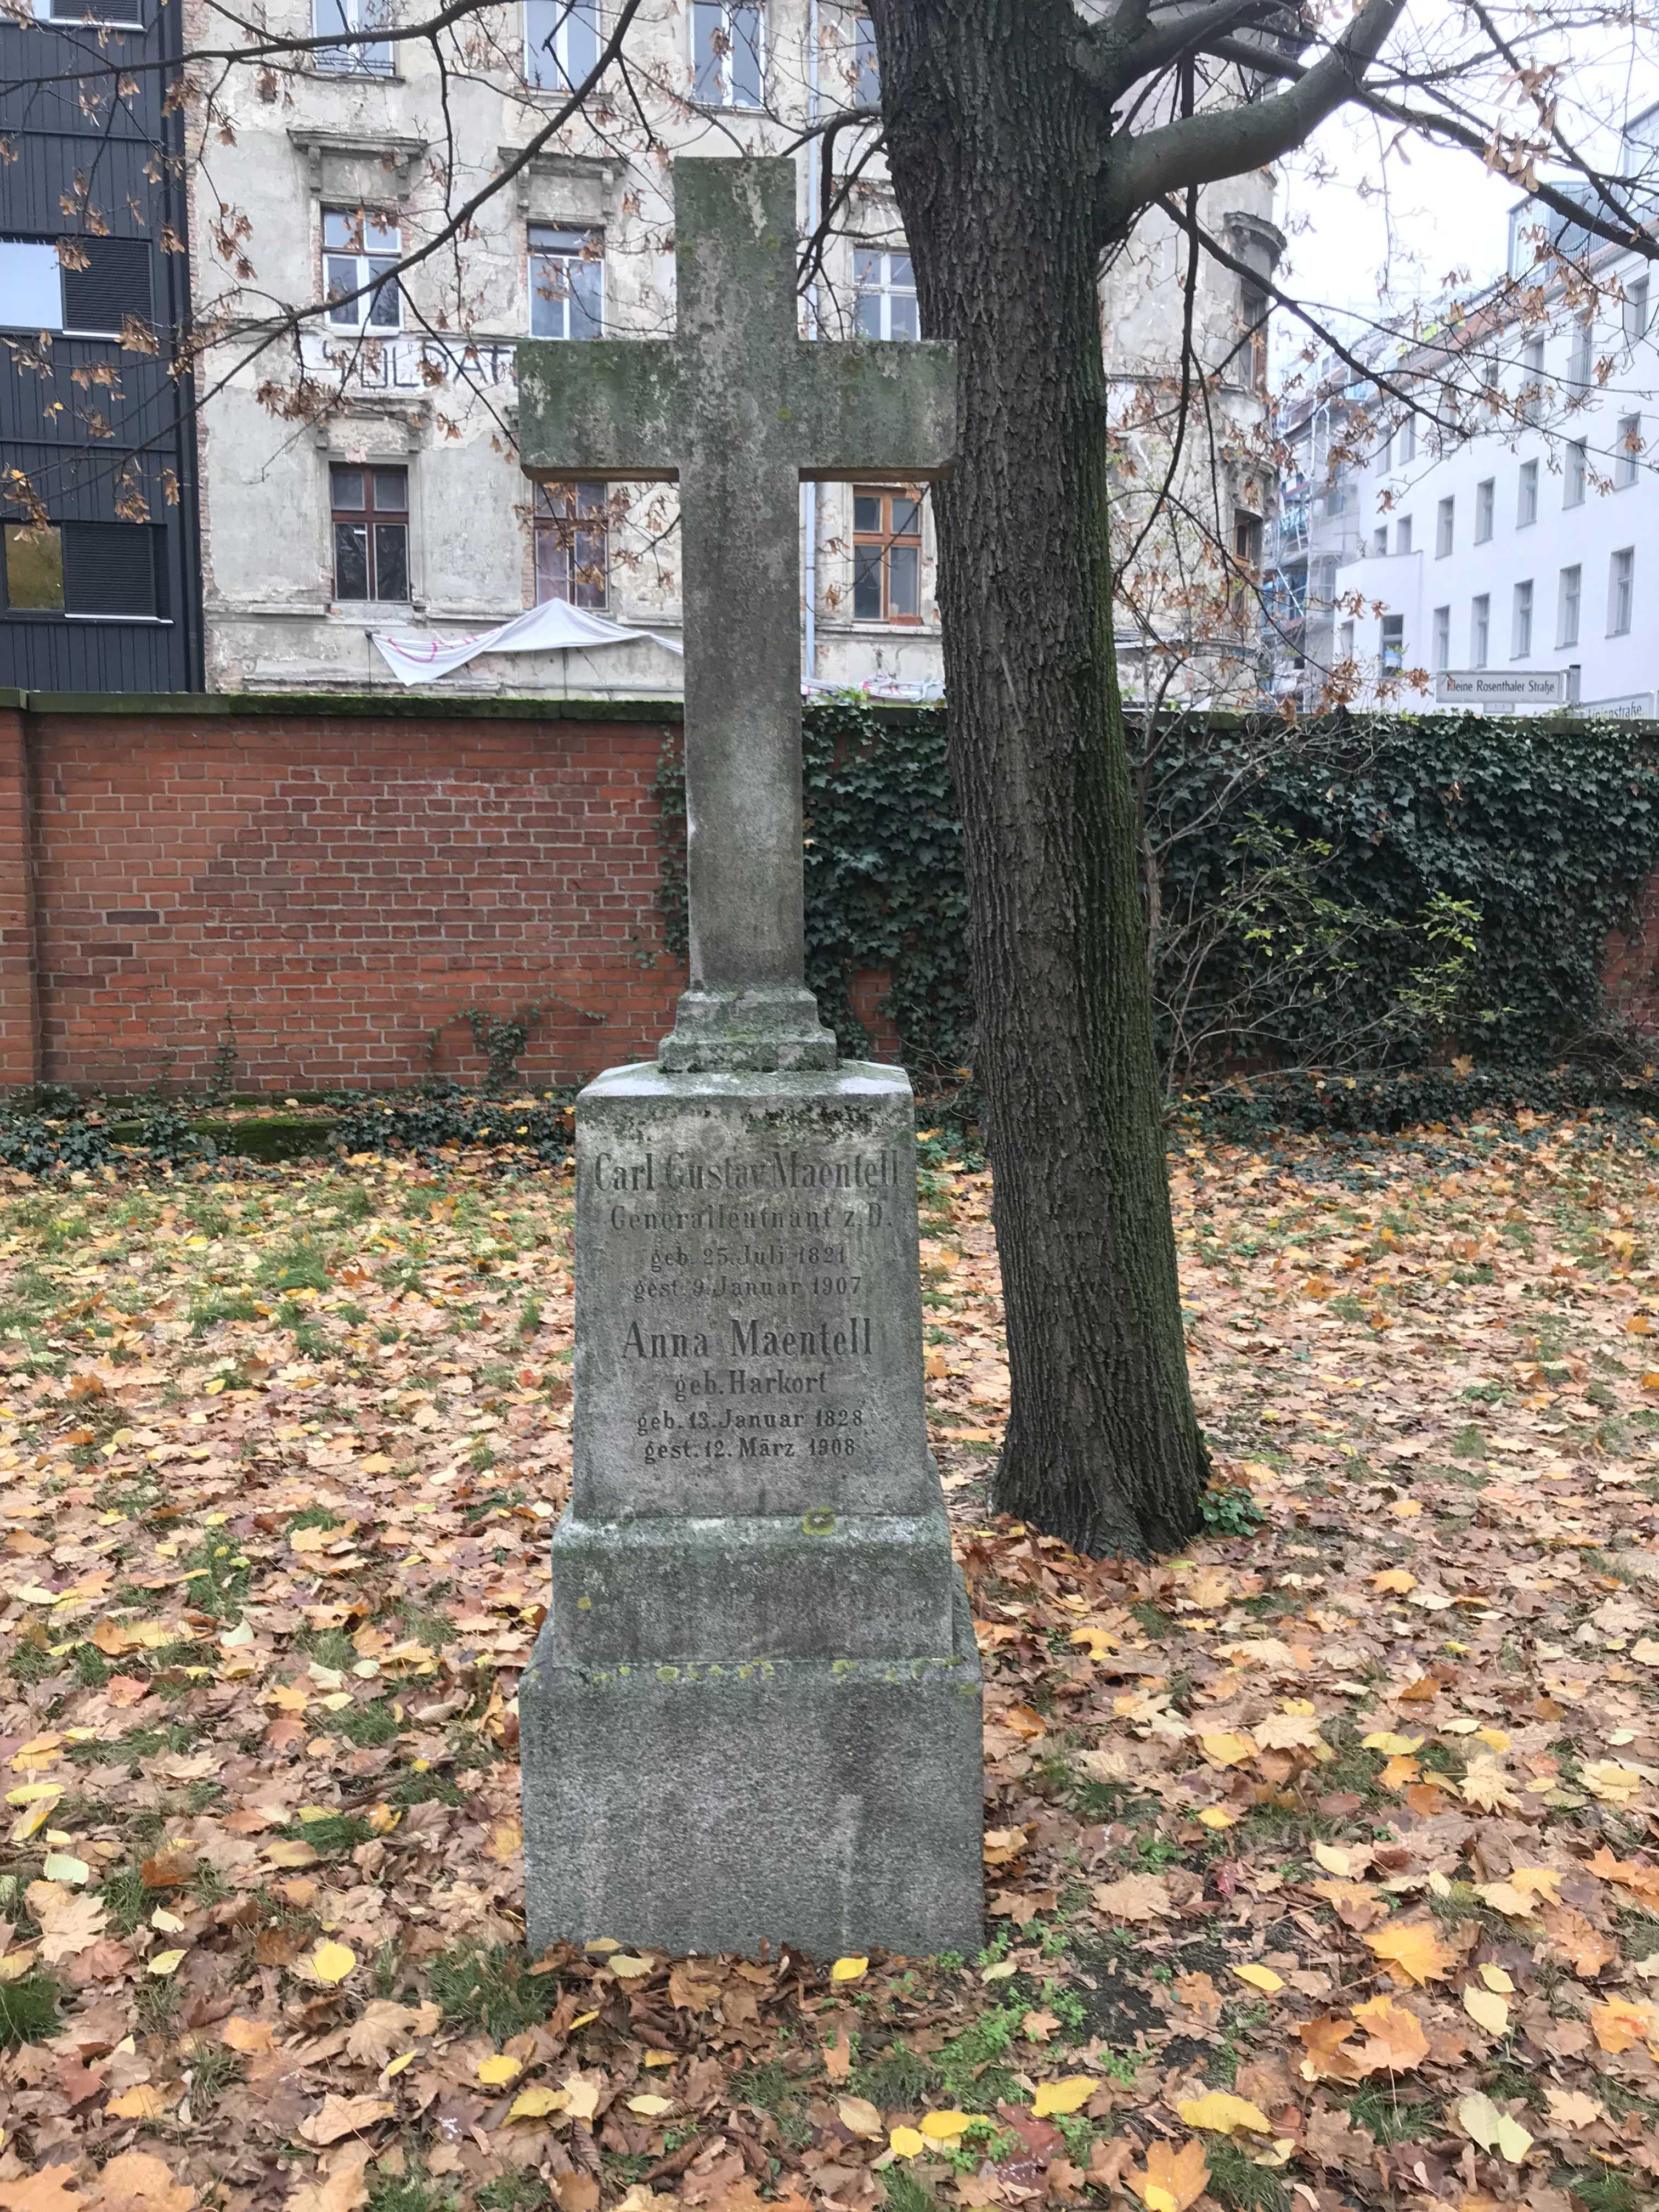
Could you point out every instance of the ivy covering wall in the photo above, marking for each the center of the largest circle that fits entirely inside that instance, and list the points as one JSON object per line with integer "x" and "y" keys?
{"x": 1380, "y": 892}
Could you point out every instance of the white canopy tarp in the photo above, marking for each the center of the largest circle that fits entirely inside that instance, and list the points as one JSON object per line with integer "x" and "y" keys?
{"x": 553, "y": 627}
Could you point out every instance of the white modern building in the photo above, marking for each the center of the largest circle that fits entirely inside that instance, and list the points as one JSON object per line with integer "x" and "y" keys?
{"x": 359, "y": 474}
{"x": 1507, "y": 520}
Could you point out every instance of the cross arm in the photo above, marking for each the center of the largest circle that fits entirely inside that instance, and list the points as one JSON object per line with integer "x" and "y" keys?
{"x": 873, "y": 409}
{"x": 591, "y": 408}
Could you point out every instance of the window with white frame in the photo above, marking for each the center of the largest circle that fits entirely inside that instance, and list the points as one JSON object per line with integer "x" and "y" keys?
{"x": 728, "y": 53}
{"x": 359, "y": 254}
{"x": 1445, "y": 518}
{"x": 886, "y": 294}
{"x": 1581, "y": 368}
{"x": 1485, "y": 504}
{"x": 1621, "y": 591}
{"x": 1379, "y": 541}
{"x": 1520, "y": 622}
{"x": 365, "y": 56}
{"x": 1441, "y": 638}
{"x": 572, "y": 529}
{"x": 125, "y": 12}
{"x": 1479, "y": 630}
{"x": 1568, "y": 599}
{"x": 1636, "y": 310}
{"x": 1532, "y": 381}
{"x": 567, "y": 282}
{"x": 1402, "y": 534}
{"x": 1344, "y": 642}
{"x": 562, "y": 42}
{"x": 1394, "y": 644}
{"x": 1526, "y": 501}
{"x": 1575, "y": 468}
{"x": 1405, "y": 440}
{"x": 1627, "y": 451}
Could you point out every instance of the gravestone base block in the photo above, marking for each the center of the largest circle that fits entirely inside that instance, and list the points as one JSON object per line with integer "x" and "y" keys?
{"x": 830, "y": 1806}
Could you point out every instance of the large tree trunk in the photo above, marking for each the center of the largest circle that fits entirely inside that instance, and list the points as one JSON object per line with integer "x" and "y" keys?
{"x": 995, "y": 148}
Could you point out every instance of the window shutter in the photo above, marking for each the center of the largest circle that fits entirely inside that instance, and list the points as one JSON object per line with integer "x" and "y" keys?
{"x": 115, "y": 284}
{"x": 109, "y": 569}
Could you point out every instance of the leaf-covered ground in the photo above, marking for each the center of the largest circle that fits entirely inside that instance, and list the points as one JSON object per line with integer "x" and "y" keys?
{"x": 1322, "y": 1861}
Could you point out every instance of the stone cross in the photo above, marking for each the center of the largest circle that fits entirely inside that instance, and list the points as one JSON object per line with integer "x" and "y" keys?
{"x": 740, "y": 411}
{"x": 752, "y": 1713}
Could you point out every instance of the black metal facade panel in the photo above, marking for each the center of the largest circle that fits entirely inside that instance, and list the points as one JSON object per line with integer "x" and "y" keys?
{"x": 99, "y": 432}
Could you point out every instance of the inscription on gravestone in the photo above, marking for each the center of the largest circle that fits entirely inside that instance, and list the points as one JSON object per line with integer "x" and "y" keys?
{"x": 752, "y": 1713}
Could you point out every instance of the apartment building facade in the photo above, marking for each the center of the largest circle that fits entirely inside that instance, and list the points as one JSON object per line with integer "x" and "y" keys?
{"x": 1508, "y": 524}
{"x": 100, "y": 575}
{"x": 359, "y": 468}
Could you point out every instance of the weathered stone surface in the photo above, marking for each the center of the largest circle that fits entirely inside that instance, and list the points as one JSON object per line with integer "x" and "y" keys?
{"x": 740, "y": 409}
{"x": 746, "y": 1247}
{"x": 830, "y": 1805}
{"x": 753, "y": 1710}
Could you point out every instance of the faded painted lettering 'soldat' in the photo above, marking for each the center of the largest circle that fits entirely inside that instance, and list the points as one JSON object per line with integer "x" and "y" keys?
{"x": 740, "y": 409}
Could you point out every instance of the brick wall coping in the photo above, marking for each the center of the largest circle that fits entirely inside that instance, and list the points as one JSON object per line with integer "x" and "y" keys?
{"x": 420, "y": 706}
{"x": 534, "y": 707}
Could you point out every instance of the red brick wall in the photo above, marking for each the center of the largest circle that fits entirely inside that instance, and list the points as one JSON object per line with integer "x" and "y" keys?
{"x": 333, "y": 887}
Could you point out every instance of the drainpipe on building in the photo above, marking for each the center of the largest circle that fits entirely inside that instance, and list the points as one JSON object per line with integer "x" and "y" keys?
{"x": 809, "y": 491}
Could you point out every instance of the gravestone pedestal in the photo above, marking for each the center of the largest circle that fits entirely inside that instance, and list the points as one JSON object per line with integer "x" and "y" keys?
{"x": 753, "y": 1712}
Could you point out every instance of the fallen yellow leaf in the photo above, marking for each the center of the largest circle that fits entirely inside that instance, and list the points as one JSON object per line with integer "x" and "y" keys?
{"x": 650, "y": 2107}
{"x": 1487, "y": 2010}
{"x": 536, "y": 2103}
{"x": 1260, "y": 1978}
{"x": 1172, "y": 2179}
{"x": 1067, "y": 2096}
{"x": 1224, "y": 2114}
{"x": 332, "y": 1962}
{"x": 1485, "y": 2123}
{"x": 1411, "y": 1950}
{"x": 946, "y": 2127}
{"x": 495, "y": 2073}
{"x": 907, "y": 2143}
{"x": 849, "y": 1970}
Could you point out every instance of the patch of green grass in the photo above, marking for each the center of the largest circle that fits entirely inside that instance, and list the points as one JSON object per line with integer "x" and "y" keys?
{"x": 366, "y": 1724}
{"x": 1152, "y": 1618}
{"x": 491, "y": 1988}
{"x": 1237, "y": 2181}
{"x": 413, "y": 2191}
{"x": 125, "y": 1898}
{"x": 1387, "y": 2120}
{"x": 896, "y": 2079}
{"x": 299, "y": 1264}
{"x": 28, "y": 2008}
{"x": 517, "y": 2191}
{"x": 331, "y": 1837}
{"x": 1600, "y": 2189}
{"x": 215, "y": 1306}
{"x": 905, "y": 2193}
{"x": 214, "y": 2068}
{"x": 218, "y": 1583}
{"x": 313, "y": 1517}
{"x": 969, "y": 2064}
{"x": 771, "y": 2088}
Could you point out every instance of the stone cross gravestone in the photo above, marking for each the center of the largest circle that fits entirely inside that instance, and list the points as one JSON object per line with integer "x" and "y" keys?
{"x": 753, "y": 1712}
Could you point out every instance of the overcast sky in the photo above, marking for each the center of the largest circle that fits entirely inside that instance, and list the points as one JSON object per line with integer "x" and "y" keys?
{"x": 1375, "y": 222}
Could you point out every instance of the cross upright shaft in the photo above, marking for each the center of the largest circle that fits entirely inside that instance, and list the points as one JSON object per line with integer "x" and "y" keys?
{"x": 739, "y": 409}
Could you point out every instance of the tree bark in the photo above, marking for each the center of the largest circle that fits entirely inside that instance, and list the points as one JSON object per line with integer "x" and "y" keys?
{"x": 997, "y": 146}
